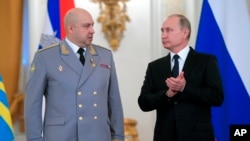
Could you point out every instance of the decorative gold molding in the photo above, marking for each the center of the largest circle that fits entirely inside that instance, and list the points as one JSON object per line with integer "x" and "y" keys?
{"x": 130, "y": 130}
{"x": 113, "y": 17}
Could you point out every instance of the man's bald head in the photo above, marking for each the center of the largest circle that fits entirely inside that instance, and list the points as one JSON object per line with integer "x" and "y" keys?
{"x": 73, "y": 15}
{"x": 78, "y": 24}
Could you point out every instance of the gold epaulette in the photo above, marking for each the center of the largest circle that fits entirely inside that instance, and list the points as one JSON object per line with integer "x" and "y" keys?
{"x": 48, "y": 47}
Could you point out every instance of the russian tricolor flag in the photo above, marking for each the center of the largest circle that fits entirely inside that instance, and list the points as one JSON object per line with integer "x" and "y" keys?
{"x": 54, "y": 25}
{"x": 224, "y": 31}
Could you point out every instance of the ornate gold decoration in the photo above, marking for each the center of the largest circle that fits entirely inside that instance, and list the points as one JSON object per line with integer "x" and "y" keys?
{"x": 113, "y": 17}
{"x": 130, "y": 130}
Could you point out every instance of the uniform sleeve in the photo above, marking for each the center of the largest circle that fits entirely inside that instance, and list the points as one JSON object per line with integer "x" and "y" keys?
{"x": 34, "y": 99}
{"x": 115, "y": 106}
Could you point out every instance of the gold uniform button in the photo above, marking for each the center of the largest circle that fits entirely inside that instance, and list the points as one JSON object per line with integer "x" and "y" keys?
{"x": 95, "y": 92}
{"x": 80, "y": 118}
{"x": 95, "y": 117}
{"x": 79, "y": 93}
{"x": 80, "y": 105}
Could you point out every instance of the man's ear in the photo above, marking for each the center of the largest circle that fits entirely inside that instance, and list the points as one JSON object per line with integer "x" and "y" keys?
{"x": 186, "y": 32}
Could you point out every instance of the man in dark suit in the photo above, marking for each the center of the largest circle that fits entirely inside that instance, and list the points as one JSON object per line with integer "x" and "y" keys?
{"x": 183, "y": 102}
{"x": 82, "y": 99}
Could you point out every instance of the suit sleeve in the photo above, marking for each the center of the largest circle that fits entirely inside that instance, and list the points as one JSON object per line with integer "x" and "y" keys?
{"x": 150, "y": 98}
{"x": 33, "y": 99}
{"x": 115, "y": 107}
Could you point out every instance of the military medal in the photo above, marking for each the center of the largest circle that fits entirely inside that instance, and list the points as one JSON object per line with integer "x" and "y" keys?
{"x": 60, "y": 68}
{"x": 92, "y": 62}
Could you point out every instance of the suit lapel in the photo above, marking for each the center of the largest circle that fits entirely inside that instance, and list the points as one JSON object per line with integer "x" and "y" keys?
{"x": 91, "y": 61}
{"x": 190, "y": 62}
{"x": 167, "y": 69}
{"x": 69, "y": 57}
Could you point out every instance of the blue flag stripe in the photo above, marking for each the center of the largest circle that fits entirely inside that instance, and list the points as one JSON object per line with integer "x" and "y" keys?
{"x": 54, "y": 16}
{"x": 5, "y": 132}
{"x": 3, "y": 99}
{"x": 235, "y": 109}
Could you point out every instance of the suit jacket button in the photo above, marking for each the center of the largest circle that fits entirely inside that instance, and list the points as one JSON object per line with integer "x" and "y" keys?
{"x": 80, "y": 105}
{"x": 80, "y": 118}
{"x": 79, "y": 93}
{"x": 175, "y": 102}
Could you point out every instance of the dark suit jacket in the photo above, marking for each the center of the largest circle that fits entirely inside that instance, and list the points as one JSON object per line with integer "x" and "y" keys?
{"x": 189, "y": 111}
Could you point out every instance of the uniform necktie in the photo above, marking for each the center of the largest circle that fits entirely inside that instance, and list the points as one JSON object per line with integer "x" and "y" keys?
{"x": 82, "y": 59}
{"x": 175, "y": 70}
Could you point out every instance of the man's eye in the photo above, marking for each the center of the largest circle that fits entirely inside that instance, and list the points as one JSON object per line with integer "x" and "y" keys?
{"x": 168, "y": 30}
{"x": 87, "y": 26}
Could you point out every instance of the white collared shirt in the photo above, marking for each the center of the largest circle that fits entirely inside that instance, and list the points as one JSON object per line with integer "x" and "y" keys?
{"x": 74, "y": 47}
{"x": 182, "y": 57}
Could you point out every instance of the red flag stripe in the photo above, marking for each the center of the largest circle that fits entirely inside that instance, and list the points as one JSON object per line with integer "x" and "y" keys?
{"x": 65, "y": 5}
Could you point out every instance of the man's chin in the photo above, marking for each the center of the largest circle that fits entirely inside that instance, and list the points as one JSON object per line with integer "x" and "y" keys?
{"x": 166, "y": 47}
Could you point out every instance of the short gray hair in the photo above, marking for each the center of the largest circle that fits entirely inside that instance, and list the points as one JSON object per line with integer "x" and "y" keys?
{"x": 184, "y": 23}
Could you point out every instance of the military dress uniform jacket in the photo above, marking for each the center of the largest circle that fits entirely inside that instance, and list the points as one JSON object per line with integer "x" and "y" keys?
{"x": 189, "y": 112}
{"x": 82, "y": 102}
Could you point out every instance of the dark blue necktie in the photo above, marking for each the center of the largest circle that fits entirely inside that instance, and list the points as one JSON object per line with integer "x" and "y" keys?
{"x": 175, "y": 70}
{"x": 82, "y": 59}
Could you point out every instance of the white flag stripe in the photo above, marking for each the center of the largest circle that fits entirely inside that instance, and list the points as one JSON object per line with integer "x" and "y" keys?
{"x": 234, "y": 22}
{"x": 36, "y": 7}
{"x": 47, "y": 29}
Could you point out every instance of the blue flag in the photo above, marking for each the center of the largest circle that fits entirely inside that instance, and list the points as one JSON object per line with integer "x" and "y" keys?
{"x": 224, "y": 30}
{"x": 6, "y": 128}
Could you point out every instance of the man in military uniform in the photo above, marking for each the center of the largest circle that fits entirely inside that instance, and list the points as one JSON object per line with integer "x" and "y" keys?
{"x": 82, "y": 101}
